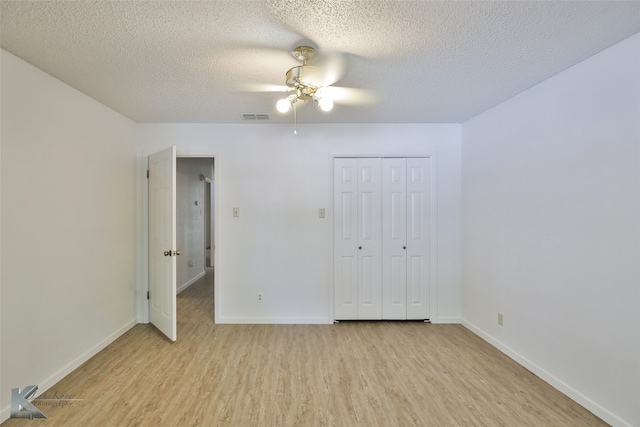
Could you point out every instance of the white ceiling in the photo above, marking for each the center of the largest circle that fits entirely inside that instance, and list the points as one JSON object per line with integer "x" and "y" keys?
{"x": 197, "y": 61}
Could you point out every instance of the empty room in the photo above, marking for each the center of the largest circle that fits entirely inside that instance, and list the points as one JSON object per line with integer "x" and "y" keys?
{"x": 348, "y": 213}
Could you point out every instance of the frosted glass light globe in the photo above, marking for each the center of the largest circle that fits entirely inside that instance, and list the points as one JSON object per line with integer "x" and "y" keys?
{"x": 283, "y": 105}
{"x": 325, "y": 104}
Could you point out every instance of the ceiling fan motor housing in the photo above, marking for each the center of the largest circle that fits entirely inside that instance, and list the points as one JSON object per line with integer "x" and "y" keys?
{"x": 303, "y": 76}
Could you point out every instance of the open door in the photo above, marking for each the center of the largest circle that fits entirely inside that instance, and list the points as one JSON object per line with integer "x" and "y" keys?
{"x": 162, "y": 241}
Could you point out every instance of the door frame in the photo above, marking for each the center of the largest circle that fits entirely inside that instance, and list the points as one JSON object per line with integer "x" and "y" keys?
{"x": 142, "y": 255}
{"x": 433, "y": 243}
{"x": 210, "y": 183}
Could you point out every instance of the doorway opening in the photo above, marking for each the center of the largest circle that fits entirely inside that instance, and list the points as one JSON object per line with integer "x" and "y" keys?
{"x": 195, "y": 231}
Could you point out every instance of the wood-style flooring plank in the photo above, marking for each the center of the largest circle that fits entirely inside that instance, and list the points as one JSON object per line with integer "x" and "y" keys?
{"x": 349, "y": 374}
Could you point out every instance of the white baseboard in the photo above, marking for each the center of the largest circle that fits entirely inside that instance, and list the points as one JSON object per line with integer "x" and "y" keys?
{"x": 276, "y": 320}
{"x": 47, "y": 383}
{"x": 307, "y": 320}
{"x": 190, "y": 282}
{"x": 446, "y": 321}
{"x": 561, "y": 386}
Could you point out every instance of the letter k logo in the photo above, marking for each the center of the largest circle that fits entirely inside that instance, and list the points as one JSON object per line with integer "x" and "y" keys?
{"x": 21, "y": 407}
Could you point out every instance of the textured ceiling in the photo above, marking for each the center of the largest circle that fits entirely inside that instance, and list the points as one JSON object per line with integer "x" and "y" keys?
{"x": 200, "y": 61}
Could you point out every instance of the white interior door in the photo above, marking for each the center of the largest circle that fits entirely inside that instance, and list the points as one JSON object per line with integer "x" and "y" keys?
{"x": 394, "y": 238}
{"x": 382, "y": 218}
{"x": 162, "y": 242}
{"x": 345, "y": 237}
{"x": 369, "y": 239}
{"x": 357, "y": 236}
{"x": 418, "y": 237}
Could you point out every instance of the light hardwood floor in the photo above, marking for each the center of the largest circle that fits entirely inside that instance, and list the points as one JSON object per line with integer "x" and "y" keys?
{"x": 349, "y": 374}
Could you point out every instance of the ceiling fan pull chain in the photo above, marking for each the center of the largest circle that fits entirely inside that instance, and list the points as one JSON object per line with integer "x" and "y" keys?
{"x": 295, "y": 120}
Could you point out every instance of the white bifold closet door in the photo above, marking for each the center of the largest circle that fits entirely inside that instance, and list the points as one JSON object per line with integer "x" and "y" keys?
{"x": 381, "y": 238}
{"x": 358, "y": 238}
{"x": 405, "y": 241}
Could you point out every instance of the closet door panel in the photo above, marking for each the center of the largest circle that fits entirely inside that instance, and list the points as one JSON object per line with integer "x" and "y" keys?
{"x": 394, "y": 232}
{"x": 369, "y": 239}
{"x": 345, "y": 238}
{"x": 418, "y": 237}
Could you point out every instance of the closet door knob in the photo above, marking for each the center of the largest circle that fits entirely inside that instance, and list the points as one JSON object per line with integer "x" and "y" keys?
{"x": 404, "y": 247}
{"x": 359, "y": 247}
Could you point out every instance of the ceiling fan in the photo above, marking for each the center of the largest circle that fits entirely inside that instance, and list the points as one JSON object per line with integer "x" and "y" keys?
{"x": 314, "y": 81}
{"x": 307, "y": 81}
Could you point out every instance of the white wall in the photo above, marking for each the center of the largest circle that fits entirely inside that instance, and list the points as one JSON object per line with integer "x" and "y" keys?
{"x": 190, "y": 227}
{"x": 68, "y": 218}
{"x": 279, "y": 246}
{"x": 551, "y": 230}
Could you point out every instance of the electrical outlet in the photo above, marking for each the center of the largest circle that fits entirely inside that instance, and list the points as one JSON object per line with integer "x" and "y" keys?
{"x": 236, "y": 212}
{"x": 259, "y": 296}
{"x": 321, "y": 212}
{"x": 500, "y": 319}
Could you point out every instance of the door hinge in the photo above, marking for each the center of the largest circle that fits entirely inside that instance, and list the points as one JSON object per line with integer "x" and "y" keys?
{"x": 147, "y": 294}
{"x": 147, "y": 173}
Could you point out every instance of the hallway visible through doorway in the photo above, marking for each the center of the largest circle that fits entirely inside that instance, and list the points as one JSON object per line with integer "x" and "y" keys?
{"x": 195, "y": 304}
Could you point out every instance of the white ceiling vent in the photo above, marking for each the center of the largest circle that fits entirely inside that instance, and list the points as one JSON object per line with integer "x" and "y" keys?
{"x": 254, "y": 116}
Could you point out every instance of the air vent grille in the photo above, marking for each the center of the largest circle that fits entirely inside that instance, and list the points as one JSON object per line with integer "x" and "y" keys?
{"x": 254, "y": 116}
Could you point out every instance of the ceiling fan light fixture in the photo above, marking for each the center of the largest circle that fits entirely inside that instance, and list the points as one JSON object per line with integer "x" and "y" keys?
{"x": 325, "y": 104}
{"x": 283, "y": 105}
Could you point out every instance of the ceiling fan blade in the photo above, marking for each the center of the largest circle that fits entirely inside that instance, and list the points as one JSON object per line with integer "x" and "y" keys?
{"x": 264, "y": 87}
{"x": 351, "y": 96}
{"x": 330, "y": 67}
